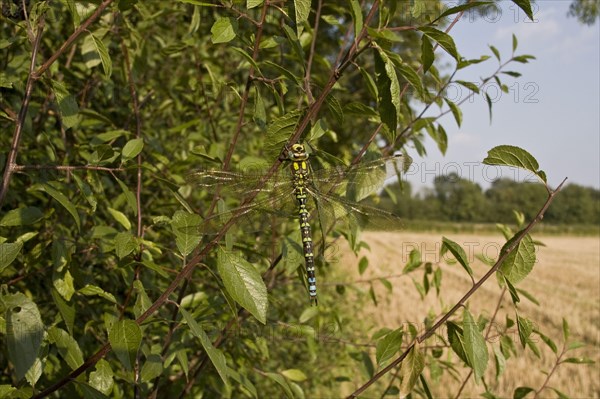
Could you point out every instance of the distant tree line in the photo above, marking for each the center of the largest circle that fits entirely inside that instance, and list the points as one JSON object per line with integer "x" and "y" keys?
{"x": 455, "y": 199}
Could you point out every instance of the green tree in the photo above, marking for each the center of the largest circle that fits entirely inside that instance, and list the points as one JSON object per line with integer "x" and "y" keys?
{"x": 586, "y": 11}
{"x": 461, "y": 199}
{"x": 114, "y": 282}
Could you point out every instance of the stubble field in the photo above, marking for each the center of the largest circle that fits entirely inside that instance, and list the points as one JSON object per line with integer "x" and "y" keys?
{"x": 565, "y": 281}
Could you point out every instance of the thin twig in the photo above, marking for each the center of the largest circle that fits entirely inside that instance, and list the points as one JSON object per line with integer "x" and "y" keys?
{"x": 246, "y": 94}
{"x": 311, "y": 54}
{"x": 472, "y": 290}
{"x": 11, "y": 161}
{"x": 80, "y": 29}
{"x": 67, "y": 168}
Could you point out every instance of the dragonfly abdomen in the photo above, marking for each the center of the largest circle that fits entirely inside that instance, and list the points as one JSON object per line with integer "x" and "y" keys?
{"x": 301, "y": 175}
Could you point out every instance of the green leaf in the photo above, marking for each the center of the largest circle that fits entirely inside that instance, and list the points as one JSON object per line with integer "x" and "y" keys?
{"x": 411, "y": 369}
{"x": 525, "y": 327}
{"x": 142, "y": 301}
{"x": 152, "y": 368}
{"x": 519, "y": 263}
{"x": 548, "y": 342}
{"x": 67, "y": 347}
{"x": 521, "y": 392}
{"x": 292, "y": 37}
{"x": 578, "y": 360}
{"x": 243, "y": 282}
{"x": 427, "y": 55}
{"x": 455, "y": 337}
{"x": 132, "y": 148}
{"x": 61, "y": 198}
{"x": 24, "y": 332}
{"x": 89, "y": 392}
{"x": 104, "y": 56}
{"x": 302, "y": 9}
{"x": 248, "y": 58}
{"x": 86, "y": 192}
{"x": 120, "y": 217}
{"x": 455, "y": 111}
{"x": 457, "y": 251}
{"x": 282, "y": 382}
{"x": 414, "y": 261}
{"x": 294, "y": 375}
{"x": 357, "y": 16}
{"x": 559, "y": 393}
{"x": 388, "y": 87}
{"x": 528, "y": 296}
{"x": 125, "y": 337}
{"x": 443, "y": 39}
{"x": 129, "y": 196}
{"x": 92, "y": 290}
{"x": 260, "y": 113}
{"x": 62, "y": 280}
{"x": 474, "y": 344}
{"x": 215, "y": 355}
{"x": 125, "y": 243}
{"x": 102, "y": 378}
{"x": 224, "y": 30}
{"x": 500, "y": 361}
{"x": 185, "y": 225}
{"x": 515, "y": 43}
{"x": 469, "y": 85}
{"x": 67, "y": 105}
{"x": 508, "y": 155}
{"x": 442, "y": 139}
{"x": 363, "y": 264}
{"x": 412, "y": 78}
{"x": 388, "y": 346}
{"x": 566, "y": 329}
{"x": 67, "y": 312}
{"x": 488, "y": 99}
{"x": 514, "y": 295}
{"x": 525, "y": 5}
{"x": 21, "y": 216}
{"x": 253, "y": 3}
{"x": 523, "y": 59}
{"x": 496, "y": 52}
{"x": 418, "y": 8}
{"x": 8, "y": 253}
{"x": 463, "y": 7}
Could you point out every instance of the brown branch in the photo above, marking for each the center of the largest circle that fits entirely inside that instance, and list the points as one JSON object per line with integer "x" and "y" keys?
{"x": 11, "y": 160}
{"x": 246, "y": 94}
{"x": 315, "y": 107}
{"x": 311, "y": 54}
{"x": 80, "y": 29}
{"x": 469, "y": 293}
{"x": 67, "y": 168}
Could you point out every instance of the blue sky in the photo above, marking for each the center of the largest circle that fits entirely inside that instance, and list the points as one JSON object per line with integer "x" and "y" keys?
{"x": 552, "y": 110}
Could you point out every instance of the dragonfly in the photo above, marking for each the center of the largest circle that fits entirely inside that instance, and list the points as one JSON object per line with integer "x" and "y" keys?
{"x": 333, "y": 194}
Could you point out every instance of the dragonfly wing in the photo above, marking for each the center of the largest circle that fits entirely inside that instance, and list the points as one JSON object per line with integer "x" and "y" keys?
{"x": 358, "y": 181}
{"x": 334, "y": 209}
{"x": 257, "y": 215}
{"x": 236, "y": 182}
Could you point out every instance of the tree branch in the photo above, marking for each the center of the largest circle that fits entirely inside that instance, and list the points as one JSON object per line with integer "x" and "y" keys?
{"x": 469, "y": 293}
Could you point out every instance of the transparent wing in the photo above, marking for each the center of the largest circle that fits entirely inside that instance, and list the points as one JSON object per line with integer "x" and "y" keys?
{"x": 235, "y": 182}
{"x": 333, "y": 209}
{"x": 358, "y": 181}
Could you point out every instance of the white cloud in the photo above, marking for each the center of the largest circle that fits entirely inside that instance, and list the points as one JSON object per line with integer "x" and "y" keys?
{"x": 544, "y": 28}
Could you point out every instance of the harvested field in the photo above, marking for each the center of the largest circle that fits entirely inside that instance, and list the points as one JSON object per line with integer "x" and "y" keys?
{"x": 565, "y": 281}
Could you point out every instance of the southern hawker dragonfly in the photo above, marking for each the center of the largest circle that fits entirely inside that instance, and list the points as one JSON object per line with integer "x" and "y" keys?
{"x": 331, "y": 194}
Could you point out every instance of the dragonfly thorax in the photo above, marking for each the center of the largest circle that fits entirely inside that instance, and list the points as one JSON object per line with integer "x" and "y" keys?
{"x": 298, "y": 153}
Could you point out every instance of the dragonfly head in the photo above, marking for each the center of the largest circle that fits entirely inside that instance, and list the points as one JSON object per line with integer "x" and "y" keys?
{"x": 298, "y": 153}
